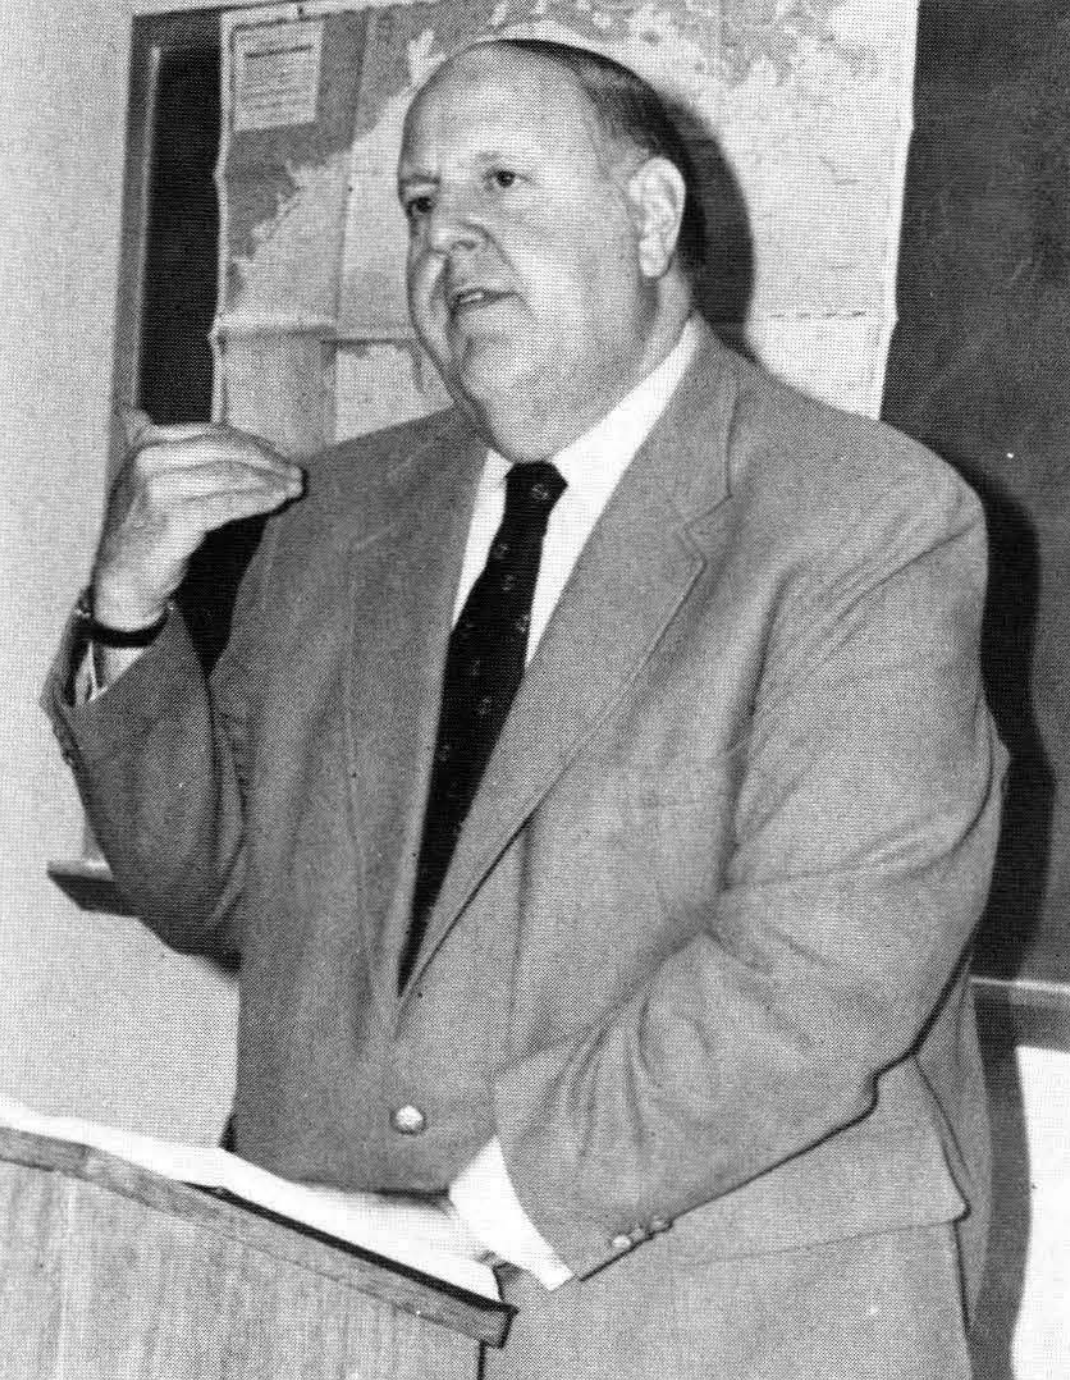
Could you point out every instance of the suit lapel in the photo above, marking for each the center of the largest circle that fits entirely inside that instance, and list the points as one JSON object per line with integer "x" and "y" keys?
{"x": 634, "y": 573}
{"x": 404, "y": 581}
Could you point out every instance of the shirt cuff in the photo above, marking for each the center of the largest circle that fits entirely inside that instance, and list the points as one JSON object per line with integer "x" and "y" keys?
{"x": 485, "y": 1200}
{"x": 86, "y": 685}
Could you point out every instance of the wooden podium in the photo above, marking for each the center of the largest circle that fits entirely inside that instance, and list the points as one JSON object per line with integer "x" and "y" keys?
{"x": 109, "y": 1272}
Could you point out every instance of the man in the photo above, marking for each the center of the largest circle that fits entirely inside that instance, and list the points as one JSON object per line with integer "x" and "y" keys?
{"x": 658, "y": 967}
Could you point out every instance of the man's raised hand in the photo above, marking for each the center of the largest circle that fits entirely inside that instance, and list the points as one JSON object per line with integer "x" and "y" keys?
{"x": 178, "y": 483}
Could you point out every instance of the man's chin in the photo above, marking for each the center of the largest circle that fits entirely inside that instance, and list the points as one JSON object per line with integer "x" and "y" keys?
{"x": 511, "y": 418}
{"x": 487, "y": 376}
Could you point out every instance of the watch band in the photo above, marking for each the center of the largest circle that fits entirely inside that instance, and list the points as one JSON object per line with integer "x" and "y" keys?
{"x": 104, "y": 636}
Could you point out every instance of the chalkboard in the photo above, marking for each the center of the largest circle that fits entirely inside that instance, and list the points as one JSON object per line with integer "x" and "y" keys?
{"x": 980, "y": 371}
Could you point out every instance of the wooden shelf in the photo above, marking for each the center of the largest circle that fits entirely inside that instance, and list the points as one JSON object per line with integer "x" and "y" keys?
{"x": 90, "y": 885}
{"x": 1039, "y": 1012}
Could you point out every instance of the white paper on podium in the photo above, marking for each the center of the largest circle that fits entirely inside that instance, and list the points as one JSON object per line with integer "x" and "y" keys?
{"x": 400, "y": 1231}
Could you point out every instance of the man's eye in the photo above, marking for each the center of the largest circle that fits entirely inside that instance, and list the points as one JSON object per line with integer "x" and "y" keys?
{"x": 503, "y": 177}
{"x": 418, "y": 206}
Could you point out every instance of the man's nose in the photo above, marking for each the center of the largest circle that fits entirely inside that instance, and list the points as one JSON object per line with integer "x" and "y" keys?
{"x": 453, "y": 223}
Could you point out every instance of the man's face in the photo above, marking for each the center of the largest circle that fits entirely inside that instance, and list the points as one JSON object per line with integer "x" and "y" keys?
{"x": 524, "y": 283}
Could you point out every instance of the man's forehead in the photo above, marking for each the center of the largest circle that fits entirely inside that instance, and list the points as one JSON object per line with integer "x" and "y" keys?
{"x": 497, "y": 63}
{"x": 498, "y": 85}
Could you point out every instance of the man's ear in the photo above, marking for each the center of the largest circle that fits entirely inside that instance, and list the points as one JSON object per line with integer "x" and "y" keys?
{"x": 656, "y": 196}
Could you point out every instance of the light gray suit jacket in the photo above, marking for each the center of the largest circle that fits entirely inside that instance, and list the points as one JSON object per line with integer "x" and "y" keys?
{"x": 698, "y": 958}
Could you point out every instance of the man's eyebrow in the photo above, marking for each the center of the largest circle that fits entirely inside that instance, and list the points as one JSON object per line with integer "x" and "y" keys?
{"x": 486, "y": 158}
{"x": 496, "y": 155}
{"x": 411, "y": 179}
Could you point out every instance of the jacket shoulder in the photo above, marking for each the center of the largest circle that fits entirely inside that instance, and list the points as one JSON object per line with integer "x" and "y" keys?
{"x": 365, "y": 465}
{"x": 354, "y": 487}
{"x": 827, "y": 473}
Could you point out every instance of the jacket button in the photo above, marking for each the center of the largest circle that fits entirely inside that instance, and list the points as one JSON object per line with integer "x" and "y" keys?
{"x": 621, "y": 1242}
{"x": 408, "y": 1120}
{"x": 658, "y": 1224}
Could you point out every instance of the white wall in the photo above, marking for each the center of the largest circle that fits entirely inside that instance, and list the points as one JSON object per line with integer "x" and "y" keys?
{"x": 1042, "y": 1338}
{"x": 1023, "y": 1326}
{"x": 95, "y": 1016}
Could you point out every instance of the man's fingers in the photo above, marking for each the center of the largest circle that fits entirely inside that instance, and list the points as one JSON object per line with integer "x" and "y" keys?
{"x": 169, "y": 486}
{"x": 217, "y": 509}
{"x": 135, "y": 424}
{"x": 232, "y": 436}
{"x": 179, "y": 483}
{"x": 159, "y": 454}
{"x": 142, "y": 431}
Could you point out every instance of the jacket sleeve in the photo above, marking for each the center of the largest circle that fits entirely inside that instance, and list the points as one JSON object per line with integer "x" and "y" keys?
{"x": 865, "y": 829}
{"x": 158, "y": 761}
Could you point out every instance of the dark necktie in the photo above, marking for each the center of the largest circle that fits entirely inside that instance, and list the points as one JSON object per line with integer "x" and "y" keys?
{"x": 484, "y": 666}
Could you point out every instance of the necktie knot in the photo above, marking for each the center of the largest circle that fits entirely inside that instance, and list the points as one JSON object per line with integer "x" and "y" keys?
{"x": 532, "y": 489}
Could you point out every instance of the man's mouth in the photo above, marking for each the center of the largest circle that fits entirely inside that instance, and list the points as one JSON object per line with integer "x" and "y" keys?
{"x": 472, "y": 298}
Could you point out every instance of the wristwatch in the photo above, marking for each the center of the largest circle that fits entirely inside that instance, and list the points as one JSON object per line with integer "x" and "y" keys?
{"x": 104, "y": 636}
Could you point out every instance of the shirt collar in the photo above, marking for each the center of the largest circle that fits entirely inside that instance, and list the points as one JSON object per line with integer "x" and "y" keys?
{"x": 593, "y": 464}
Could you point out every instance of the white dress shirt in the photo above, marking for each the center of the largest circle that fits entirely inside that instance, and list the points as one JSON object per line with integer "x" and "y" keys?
{"x": 591, "y": 467}
{"x": 482, "y": 1194}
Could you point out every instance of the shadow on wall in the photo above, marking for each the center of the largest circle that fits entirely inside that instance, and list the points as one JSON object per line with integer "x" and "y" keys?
{"x": 1015, "y": 911}
{"x": 725, "y": 287}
